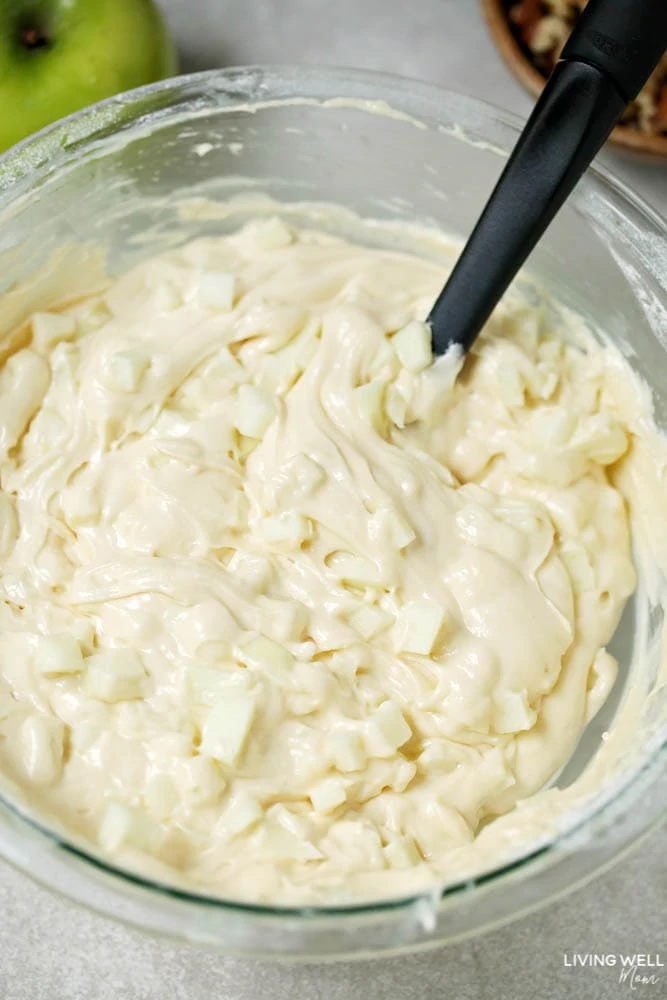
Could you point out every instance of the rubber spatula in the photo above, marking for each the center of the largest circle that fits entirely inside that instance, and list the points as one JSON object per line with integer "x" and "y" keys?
{"x": 608, "y": 58}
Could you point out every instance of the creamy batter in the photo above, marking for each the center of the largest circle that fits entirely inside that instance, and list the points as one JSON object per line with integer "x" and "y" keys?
{"x": 289, "y": 614}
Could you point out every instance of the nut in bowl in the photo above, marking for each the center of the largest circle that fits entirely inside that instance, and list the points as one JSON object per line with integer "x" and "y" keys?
{"x": 257, "y": 697}
{"x": 530, "y": 34}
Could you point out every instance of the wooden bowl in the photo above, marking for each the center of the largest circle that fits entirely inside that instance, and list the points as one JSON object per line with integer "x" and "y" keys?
{"x": 533, "y": 80}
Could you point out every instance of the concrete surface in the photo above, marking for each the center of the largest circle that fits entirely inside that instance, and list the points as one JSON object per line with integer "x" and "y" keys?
{"x": 49, "y": 949}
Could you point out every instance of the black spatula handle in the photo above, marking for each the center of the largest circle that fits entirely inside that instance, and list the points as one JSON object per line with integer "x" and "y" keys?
{"x": 623, "y": 38}
{"x": 611, "y": 53}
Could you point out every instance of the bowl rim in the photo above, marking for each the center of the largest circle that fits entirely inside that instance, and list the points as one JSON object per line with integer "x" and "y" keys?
{"x": 623, "y": 136}
{"x": 406, "y": 93}
{"x": 45, "y": 151}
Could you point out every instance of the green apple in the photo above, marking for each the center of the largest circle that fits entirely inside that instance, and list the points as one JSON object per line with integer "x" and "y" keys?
{"x": 57, "y": 56}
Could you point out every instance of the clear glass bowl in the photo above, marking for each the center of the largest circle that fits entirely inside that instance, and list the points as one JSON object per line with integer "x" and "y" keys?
{"x": 117, "y": 175}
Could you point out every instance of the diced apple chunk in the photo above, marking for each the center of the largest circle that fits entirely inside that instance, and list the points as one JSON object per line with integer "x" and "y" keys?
{"x": 417, "y": 627}
{"x": 216, "y": 290}
{"x": 252, "y": 569}
{"x": 161, "y": 796}
{"x": 266, "y": 655}
{"x": 51, "y": 328}
{"x": 207, "y": 686}
{"x": 255, "y": 411}
{"x": 370, "y": 403}
{"x": 552, "y": 426}
{"x": 225, "y": 365}
{"x": 346, "y": 751}
{"x": 286, "y": 621}
{"x": 124, "y": 371}
{"x": 41, "y": 744}
{"x": 280, "y": 371}
{"x": 355, "y": 570}
{"x": 402, "y": 853}
{"x": 168, "y": 297}
{"x": 511, "y": 384}
{"x": 272, "y": 234}
{"x": 388, "y": 729}
{"x": 116, "y": 675}
{"x": 300, "y": 476}
{"x": 346, "y": 663}
{"x": 243, "y": 812}
{"x": 412, "y": 345}
{"x": 601, "y": 438}
{"x": 279, "y": 844}
{"x": 59, "y": 654}
{"x": 83, "y": 629}
{"x": 327, "y": 795}
{"x": 305, "y": 651}
{"x": 403, "y": 774}
{"x": 288, "y": 529}
{"x": 512, "y": 712}
{"x": 174, "y": 744}
{"x": 92, "y": 315}
{"x": 126, "y": 826}
{"x": 369, "y": 620}
{"x": 396, "y": 406}
{"x": 387, "y": 523}
{"x": 227, "y": 727}
{"x": 203, "y": 780}
{"x": 291, "y": 819}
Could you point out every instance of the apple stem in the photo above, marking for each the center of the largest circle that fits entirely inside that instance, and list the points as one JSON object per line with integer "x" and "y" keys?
{"x": 33, "y": 38}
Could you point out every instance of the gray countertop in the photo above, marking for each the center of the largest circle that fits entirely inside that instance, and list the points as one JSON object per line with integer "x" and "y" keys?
{"x": 51, "y": 950}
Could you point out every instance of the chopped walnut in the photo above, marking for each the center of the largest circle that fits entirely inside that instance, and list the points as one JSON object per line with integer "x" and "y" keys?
{"x": 660, "y": 116}
{"x": 526, "y": 16}
{"x": 564, "y": 9}
{"x": 550, "y": 35}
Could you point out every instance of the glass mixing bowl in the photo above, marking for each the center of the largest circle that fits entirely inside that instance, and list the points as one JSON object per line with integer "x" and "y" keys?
{"x": 117, "y": 176}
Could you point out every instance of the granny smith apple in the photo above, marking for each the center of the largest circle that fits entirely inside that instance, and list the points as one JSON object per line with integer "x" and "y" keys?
{"x": 59, "y": 55}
